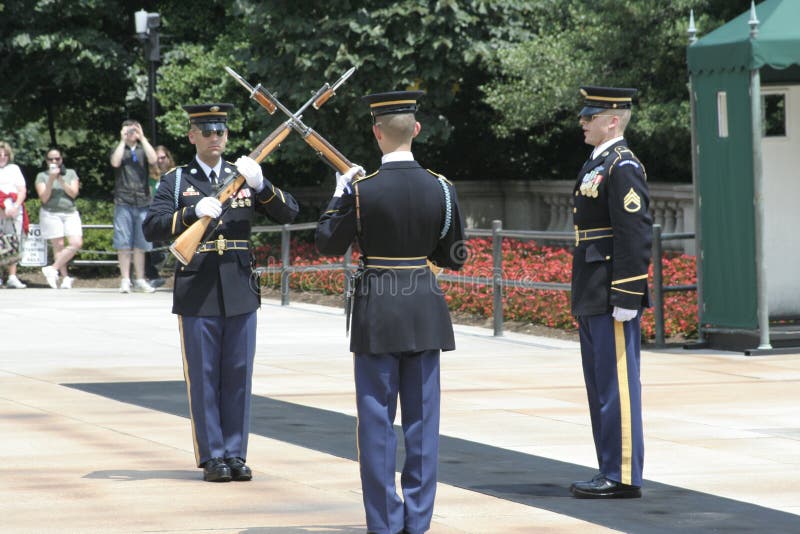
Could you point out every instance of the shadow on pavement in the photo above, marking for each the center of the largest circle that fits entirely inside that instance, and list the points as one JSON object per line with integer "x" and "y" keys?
{"x": 522, "y": 478}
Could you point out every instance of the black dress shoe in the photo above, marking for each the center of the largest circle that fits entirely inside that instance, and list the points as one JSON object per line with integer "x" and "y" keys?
{"x": 603, "y": 488}
{"x": 572, "y": 486}
{"x": 216, "y": 470}
{"x": 239, "y": 471}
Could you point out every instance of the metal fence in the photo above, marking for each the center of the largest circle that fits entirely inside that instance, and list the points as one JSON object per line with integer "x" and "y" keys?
{"x": 497, "y": 281}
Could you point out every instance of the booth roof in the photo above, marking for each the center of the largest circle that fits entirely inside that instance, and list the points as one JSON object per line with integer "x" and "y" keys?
{"x": 730, "y": 47}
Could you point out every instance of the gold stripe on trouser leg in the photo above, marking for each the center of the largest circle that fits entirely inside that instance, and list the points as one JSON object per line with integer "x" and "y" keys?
{"x": 624, "y": 404}
{"x": 358, "y": 422}
{"x": 188, "y": 391}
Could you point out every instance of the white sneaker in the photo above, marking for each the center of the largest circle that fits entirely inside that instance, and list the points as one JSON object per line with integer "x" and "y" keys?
{"x": 125, "y": 285}
{"x": 140, "y": 285}
{"x": 51, "y": 275}
{"x": 14, "y": 283}
{"x": 66, "y": 282}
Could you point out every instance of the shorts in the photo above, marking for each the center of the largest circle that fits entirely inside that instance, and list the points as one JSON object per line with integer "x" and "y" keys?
{"x": 56, "y": 224}
{"x": 128, "y": 233}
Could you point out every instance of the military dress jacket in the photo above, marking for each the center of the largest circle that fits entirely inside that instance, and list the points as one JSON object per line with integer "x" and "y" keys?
{"x": 214, "y": 284}
{"x": 613, "y": 233}
{"x": 401, "y": 211}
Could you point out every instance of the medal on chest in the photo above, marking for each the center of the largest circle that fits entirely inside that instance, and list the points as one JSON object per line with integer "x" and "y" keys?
{"x": 591, "y": 181}
{"x": 242, "y": 199}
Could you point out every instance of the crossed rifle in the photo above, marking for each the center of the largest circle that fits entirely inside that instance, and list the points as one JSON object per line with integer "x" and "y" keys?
{"x": 186, "y": 244}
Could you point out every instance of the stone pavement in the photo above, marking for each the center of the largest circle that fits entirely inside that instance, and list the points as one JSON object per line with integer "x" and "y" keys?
{"x": 95, "y": 435}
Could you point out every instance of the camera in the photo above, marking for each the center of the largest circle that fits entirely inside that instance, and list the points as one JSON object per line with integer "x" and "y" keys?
{"x": 131, "y": 131}
{"x": 61, "y": 169}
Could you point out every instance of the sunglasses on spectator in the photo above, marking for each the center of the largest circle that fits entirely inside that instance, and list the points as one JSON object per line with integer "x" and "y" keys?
{"x": 54, "y": 159}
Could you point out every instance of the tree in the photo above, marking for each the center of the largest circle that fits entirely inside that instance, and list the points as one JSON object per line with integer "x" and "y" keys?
{"x": 637, "y": 43}
{"x": 65, "y": 67}
{"x": 439, "y": 46}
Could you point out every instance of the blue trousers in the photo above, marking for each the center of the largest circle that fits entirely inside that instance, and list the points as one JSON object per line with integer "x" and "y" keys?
{"x": 610, "y": 351}
{"x": 218, "y": 355}
{"x": 379, "y": 379}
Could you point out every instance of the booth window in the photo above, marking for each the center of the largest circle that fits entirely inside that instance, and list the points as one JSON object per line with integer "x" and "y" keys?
{"x": 722, "y": 113}
{"x": 773, "y": 111}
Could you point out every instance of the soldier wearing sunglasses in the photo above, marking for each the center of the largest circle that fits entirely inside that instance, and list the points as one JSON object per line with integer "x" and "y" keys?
{"x": 216, "y": 294}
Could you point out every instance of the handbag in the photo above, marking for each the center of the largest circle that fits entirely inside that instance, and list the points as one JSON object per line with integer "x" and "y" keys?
{"x": 9, "y": 245}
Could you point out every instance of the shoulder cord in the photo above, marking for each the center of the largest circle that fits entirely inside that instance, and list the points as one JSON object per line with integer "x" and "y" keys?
{"x": 177, "y": 186}
{"x": 448, "y": 215}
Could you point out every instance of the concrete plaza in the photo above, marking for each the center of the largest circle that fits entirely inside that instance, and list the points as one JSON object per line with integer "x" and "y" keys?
{"x": 95, "y": 435}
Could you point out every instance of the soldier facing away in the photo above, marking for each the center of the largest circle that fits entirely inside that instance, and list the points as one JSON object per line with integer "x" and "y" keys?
{"x": 402, "y": 217}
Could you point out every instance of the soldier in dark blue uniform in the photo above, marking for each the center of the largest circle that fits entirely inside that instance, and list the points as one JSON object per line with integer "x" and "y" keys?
{"x": 403, "y": 216}
{"x": 613, "y": 232}
{"x": 216, "y": 296}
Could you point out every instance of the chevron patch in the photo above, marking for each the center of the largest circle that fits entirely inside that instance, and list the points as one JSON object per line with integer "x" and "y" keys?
{"x": 632, "y": 202}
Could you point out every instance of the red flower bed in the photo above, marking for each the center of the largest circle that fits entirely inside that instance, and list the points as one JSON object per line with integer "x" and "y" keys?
{"x": 522, "y": 260}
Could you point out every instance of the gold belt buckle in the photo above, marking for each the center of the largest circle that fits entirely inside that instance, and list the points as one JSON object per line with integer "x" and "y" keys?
{"x": 221, "y": 244}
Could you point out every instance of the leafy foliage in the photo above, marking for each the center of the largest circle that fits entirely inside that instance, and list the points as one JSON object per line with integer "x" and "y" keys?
{"x": 501, "y": 78}
{"x": 638, "y": 43}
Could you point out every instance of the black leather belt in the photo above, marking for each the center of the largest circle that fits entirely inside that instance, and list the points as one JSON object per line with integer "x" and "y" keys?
{"x": 381, "y": 262}
{"x": 592, "y": 233}
{"x": 220, "y": 245}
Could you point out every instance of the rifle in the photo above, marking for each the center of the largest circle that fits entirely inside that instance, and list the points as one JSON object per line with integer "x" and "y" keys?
{"x": 185, "y": 245}
{"x": 323, "y": 148}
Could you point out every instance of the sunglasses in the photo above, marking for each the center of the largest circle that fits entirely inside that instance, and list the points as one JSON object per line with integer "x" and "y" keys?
{"x": 586, "y": 119}
{"x": 207, "y": 133}
{"x": 54, "y": 159}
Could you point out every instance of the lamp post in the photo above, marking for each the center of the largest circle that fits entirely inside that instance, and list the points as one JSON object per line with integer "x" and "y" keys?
{"x": 147, "y": 25}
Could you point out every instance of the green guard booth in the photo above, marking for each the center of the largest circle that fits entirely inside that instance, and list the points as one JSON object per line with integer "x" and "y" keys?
{"x": 745, "y": 88}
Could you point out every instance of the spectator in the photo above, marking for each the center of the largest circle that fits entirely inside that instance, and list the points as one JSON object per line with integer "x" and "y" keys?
{"x": 130, "y": 160}
{"x": 12, "y": 208}
{"x": 164, "y": 162}
{"x": 57, "y": 188}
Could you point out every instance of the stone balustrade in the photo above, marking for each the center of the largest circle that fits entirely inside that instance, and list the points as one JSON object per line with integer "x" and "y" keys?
{"x": 547, "y": 205}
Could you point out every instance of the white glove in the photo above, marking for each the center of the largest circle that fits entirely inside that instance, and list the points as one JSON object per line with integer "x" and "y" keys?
{"x": 251, "y": 170}
{"x": 208, "y": 207}
{"x": 343, "y": 180}
{"x": 624, "y": 314}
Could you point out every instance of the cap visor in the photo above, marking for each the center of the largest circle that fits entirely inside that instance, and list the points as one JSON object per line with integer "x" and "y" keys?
{"x": 209, "y": 126}
{"x": 589, "y": 111}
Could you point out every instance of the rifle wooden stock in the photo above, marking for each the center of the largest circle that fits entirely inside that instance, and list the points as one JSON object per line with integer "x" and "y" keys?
{"x": 327, "y": 151}
{"x": 264, "y": 101}
{"x": 185, "y": 245}
{"x": 323, "y": 98}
